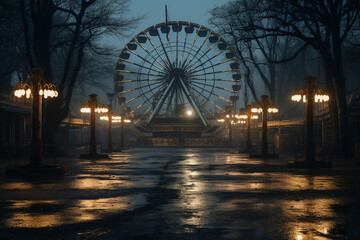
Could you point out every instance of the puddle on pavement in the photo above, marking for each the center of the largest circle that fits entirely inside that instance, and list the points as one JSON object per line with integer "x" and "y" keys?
{"x": 41, "y": 213}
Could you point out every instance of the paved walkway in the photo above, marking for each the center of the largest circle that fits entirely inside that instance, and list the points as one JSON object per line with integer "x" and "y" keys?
{"x": 184, "y": 193}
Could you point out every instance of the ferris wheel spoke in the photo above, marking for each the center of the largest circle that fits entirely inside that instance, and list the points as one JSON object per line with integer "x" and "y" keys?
{"x": 183, "y": 51}
{"x": 197, "y": 52}
{"x": 214, "y": 65}
{"x": 142, "y": 58}
{"x": 145, "y": 102}
{"x": 204, "y": 54}
{"x": 150, "y": 54}
{"x": 144, "y": 113}
{"x": 208, "y": 60}
{"x": 164, "y": 50}
{"x": 212, "y": 93}
{"x": 156, "y": 50}
{"x": 139, "y": 73}
{"x": 209, "y": 73}
{"x": 192, "y": 45}
{"x": 142, "y": 66}
{"x": 140, "y": 80}
{"x": 215, "y": 79}
{"x": 217, "y": 106}
{"x": 137, "y": 88}
{"x": 177, "y": 48}
{"x": 171, "y": 51}
{"x": 143, "y": 94}
{"x": 213, "y": 86}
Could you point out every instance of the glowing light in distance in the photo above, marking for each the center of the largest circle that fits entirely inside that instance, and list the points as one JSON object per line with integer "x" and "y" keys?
{"x": 273, "y": 110}
{"x": 256, "y": 110}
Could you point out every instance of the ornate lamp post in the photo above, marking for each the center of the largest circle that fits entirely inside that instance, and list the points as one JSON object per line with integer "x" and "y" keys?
{"x": 264, "y": 107}
{"x": 110, "y": 114}
{"x": 122, "y": 100}
{"x": 249, "y": 116}
{"x": 92, "y": 107}
{"x": 36, "y": 88}
{"x": 310, "y": 95}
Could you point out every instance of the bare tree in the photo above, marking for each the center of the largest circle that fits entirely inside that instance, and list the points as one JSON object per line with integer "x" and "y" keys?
{"x": 322, "y": 24}
{"x": 11, "y": 45}
{"x": 262, "y": 54}
{"x": 59, "y": 34}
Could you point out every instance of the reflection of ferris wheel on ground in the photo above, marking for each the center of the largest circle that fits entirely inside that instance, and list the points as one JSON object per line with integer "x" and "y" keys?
{"x": 169, "y": 69}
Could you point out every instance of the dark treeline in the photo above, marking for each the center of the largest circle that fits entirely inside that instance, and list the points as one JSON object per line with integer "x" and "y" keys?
{"x": 275, "y": 39}
{"x": 67, "y": 38}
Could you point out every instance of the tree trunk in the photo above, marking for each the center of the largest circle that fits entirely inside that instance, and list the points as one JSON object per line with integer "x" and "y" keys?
{"x": 341, "y": 97}
{"x": 332, "y": 102}
{"x": 272, "y": 82}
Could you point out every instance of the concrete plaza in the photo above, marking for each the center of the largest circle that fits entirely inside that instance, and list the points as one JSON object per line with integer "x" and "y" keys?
{"x": 184, "y": 193}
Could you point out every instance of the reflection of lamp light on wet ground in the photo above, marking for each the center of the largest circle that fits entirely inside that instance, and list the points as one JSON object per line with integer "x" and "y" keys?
{"x": 310, "y": 95}
{"x": 92, "y": 107}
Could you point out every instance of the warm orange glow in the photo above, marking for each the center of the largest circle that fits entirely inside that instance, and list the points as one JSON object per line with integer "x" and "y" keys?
{"x": 296, "y": 98}
{"x": 256, "y": 110}
{"x": 97, "y": 110}
{"x": 115, "y": 119}
{"x": 273, "y": 110}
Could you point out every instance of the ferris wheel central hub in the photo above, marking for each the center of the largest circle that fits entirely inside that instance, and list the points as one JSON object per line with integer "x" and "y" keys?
{"x": 177, "y": 73}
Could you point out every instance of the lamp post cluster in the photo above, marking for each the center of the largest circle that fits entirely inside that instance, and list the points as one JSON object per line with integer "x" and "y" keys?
{"x": 310, "y": 95}
{"x": 93, "y": 107}
{"x": 246, "y": 116}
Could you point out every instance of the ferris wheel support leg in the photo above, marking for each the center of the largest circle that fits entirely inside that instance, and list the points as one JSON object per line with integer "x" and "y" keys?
{"x": 192, "y": 102}
{"x": 161, "y": 101}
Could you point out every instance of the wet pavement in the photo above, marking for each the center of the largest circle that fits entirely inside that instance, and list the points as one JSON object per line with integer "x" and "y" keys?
{"x": 184, "y": 193}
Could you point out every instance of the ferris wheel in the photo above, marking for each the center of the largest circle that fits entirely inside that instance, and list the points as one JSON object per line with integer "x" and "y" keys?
{"x": 176, "y": 67}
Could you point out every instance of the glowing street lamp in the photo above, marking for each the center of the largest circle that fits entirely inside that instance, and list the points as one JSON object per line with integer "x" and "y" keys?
{"x": 249, "y": 116}
{"x": 115, "y": 119}
{"x": 310, "y": 95}
{"x": 264, "y": 107}
{"x": 37, "y": 89}
{"x": 92, "y": 107}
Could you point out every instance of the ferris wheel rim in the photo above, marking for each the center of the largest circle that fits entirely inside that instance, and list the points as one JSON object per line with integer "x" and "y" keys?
{"x": 165, "y": 66}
